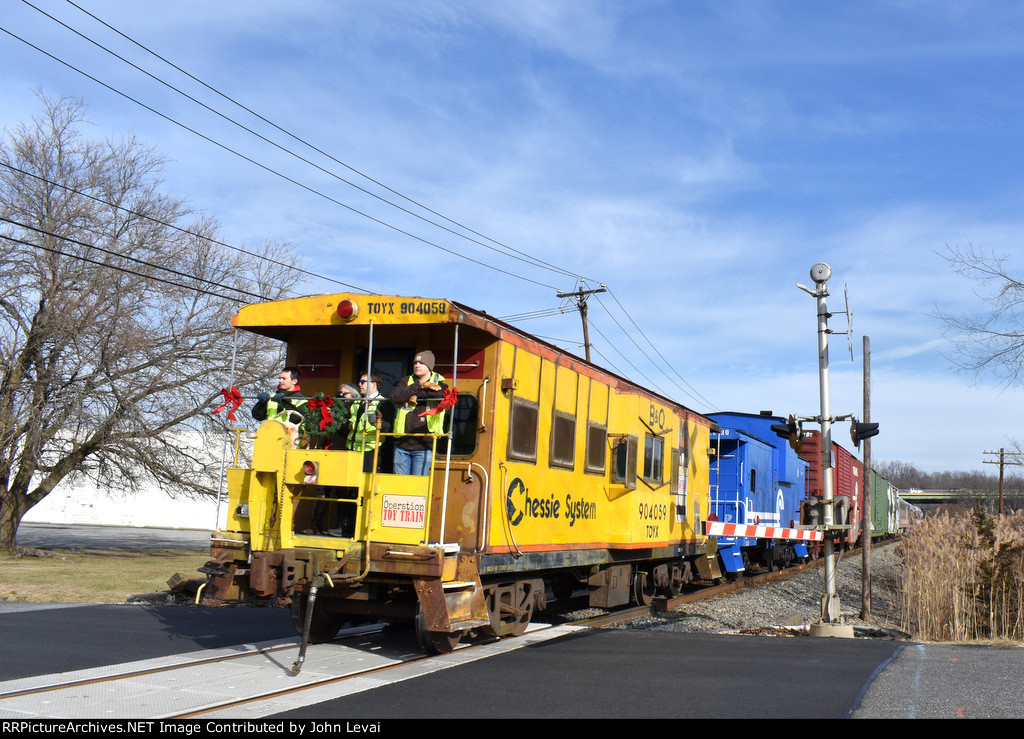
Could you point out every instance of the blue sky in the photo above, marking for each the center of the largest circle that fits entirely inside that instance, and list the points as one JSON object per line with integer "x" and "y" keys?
{"x": 697, "y": 158}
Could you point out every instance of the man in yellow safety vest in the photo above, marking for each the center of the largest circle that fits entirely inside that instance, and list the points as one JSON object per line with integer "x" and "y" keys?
{"x": 285, "y": 404}
{"x": 422, "y": 390}
{"x": 367, "y": 418}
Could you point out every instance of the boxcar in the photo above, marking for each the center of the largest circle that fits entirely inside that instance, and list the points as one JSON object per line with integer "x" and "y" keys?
{"x": 907, "y": 515}
{"x": 550, "y": 474}
{"x": 847, "y": 484}
{"x": 884, "y": 507}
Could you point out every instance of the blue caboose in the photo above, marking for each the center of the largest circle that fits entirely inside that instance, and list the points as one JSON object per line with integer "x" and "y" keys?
{"x": 756, "y": 482}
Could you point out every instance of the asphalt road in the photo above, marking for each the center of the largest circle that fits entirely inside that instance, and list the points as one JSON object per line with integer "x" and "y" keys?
{"x": 606, "y": 673}
{"x": 598, "y": 674}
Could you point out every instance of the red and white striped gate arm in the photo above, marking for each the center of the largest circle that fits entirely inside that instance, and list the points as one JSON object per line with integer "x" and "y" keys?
{"x": 719, "y": 528}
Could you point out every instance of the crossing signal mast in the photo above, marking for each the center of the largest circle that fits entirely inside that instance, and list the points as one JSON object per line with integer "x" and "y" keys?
{"x": 830, "y": 624}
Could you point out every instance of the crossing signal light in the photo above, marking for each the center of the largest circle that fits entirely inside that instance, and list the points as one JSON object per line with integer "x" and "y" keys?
{"x": 785, "y": 429}
{"x": 789, "y": 430}
{"x": 862, "y": 430}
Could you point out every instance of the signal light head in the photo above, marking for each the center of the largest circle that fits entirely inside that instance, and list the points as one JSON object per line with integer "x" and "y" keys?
{"x": 785, "y": 430}
{"x": 862, "y": 430}
{"x": 791, "y": 431}
{"x": 347, "y": 310}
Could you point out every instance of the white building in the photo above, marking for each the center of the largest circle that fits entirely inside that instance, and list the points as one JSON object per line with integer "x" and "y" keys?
{"x": 146, "y": 506}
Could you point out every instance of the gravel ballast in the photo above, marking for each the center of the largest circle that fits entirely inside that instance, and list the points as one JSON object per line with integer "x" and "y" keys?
{"x": 789, "y": 606}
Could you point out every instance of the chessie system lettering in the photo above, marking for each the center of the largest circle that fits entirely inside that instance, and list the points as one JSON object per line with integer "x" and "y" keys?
{"x": 520, "y": 504}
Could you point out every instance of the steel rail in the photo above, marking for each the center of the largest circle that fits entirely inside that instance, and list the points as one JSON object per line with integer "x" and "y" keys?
{"x": 148, "y": 671}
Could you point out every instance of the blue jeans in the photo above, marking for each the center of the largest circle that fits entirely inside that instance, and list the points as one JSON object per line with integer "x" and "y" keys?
{"x": 414, "y": 462}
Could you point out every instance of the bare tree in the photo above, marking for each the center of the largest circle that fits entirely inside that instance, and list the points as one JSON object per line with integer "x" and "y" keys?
{"x": 115, "y": 313}
{"x": 902, "y": 475}
{"x": 990, "y": 342}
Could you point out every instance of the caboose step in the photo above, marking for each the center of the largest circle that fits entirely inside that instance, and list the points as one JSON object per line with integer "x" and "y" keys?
{"x": 466, "y": 624}
{"x": 459, "y": 585}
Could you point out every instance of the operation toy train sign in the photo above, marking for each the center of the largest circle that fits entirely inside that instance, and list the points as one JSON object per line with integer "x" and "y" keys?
{"x": 404, "y": 511}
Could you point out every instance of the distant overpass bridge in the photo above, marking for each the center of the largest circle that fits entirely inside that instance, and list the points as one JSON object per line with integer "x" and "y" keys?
{"x": 918, "y": 496}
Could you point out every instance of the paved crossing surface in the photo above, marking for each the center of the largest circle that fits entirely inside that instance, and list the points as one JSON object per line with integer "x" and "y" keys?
{"x": 570, "y": 673}
{"x": 591, "y": 673}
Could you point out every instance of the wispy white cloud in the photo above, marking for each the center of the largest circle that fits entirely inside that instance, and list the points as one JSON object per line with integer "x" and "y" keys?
{"x": 696, "y": 157}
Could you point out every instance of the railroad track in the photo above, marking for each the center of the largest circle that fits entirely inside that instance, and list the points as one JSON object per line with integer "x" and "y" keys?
{"x": 706, "y": 592}
{"x": 252, "y": 681}
{"x": 241, "y": 682}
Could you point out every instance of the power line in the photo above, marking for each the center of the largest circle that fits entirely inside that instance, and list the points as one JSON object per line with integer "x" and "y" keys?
{"x": 695, "y": 395}
{"x": 524, "y": 257}
{"x": 540, "y": 313}
{"x": 532, "y": 260}
{"x": 271, "y": 170}
{"x": 98, "y": 263}
{"x": 650, "y": 383}
{"x": 185, "y": 231}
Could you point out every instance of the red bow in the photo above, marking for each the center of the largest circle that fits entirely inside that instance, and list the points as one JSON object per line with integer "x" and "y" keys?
{"x": 448, "y": 401}
{"x": 232, "y": 397}
{"x": 325, "y": 411}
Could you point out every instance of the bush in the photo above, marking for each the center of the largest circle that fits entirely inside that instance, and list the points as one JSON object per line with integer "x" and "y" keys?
{"x": 963, "y": 578}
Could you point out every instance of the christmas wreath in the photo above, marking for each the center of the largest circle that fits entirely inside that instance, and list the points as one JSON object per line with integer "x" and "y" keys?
{"x": 319, "y": 417}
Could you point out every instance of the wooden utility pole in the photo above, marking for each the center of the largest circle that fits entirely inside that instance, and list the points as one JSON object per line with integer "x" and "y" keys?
{"x": 869, "y": 484}
{"x": 581, "y": 303}
{"x": 1002, "y": 463}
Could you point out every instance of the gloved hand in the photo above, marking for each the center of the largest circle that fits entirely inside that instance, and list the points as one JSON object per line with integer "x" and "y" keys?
{"x": 263, "y": 397}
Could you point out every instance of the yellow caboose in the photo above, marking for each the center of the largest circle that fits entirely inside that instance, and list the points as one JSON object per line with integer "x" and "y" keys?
{"x": 548, "y": 473}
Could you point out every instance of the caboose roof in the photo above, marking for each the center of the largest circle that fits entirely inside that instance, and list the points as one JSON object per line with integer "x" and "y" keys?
{"x": 280, "y": 318}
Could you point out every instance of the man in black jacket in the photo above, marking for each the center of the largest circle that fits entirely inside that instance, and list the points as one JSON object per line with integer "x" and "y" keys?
{"x": 286, "y": 404}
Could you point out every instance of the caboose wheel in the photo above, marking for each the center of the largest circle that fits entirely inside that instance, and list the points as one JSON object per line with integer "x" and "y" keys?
{"x": 436, "y": 642}
{"x": 676, "y": 580}
{"x": 510, "y": 606}
{"x": 643, "y": 588}
{"x": 324, "y": 627}
{"x": 563, "y": 587}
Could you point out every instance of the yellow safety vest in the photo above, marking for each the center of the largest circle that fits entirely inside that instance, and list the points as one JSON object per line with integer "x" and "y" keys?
{"x": 280, "y": 411}
{"x": 435, "y": 423}
{"x": 363, "y": 435}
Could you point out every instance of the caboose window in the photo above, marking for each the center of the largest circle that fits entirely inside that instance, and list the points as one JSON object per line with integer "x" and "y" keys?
{"x": 624, "y": 464}
{"x": 654, "y": 458}
{"x": 563, "y": 440}
{"x": 597, "y": 448}
{"x": 522, "y": 438}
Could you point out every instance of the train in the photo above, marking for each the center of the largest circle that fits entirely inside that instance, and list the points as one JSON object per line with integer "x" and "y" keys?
{"x": 549, "y": 475}
{"x": 850, "y": 482}
{"x": 766, "y": 489}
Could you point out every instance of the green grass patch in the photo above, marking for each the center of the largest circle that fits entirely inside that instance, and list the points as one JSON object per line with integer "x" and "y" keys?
{"x": 69, "y": 576}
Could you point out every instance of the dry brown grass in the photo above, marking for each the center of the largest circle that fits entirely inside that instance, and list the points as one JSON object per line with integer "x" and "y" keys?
{"x": 963, "y": 578}
{"x": 93, "y": 577}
